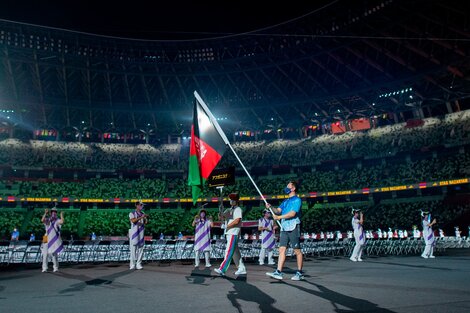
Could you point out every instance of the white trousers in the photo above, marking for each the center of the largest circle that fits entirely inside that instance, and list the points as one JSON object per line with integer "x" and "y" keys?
{"x": 136, "y": 255}
{"x": 46, "y": 256}
{"x": 207, "y": 257}
{"x": 262, "y": 255}
{"x": 357, "y": 252}
{"x": 232, "y": 252}
{"x": 428, "y": 250}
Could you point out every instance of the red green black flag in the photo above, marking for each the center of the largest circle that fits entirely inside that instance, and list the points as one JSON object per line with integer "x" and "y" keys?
{"x": 206, "y": 148}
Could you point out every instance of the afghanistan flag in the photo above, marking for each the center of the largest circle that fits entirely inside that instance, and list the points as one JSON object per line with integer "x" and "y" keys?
{"x": 206, "y": 148}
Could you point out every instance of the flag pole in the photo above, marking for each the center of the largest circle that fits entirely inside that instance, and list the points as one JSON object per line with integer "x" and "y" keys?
{"x": 225, "y": 139}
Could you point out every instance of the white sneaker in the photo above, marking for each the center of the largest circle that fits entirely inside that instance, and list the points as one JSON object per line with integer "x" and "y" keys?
{"x": 276, "y": 275}
{"x": 353, "y": 259}
{"x": 55, "y": 270}
{"x": 132, "y": 267}
{"x": 432, "y": 257}
{"x": 298, "y": 276}
{"x": 241, "y": 271}
{"x": 44, "y": 271}
{"x": 424, "y": 256}
{"x": 196, "y": 265}
{"x": 272, "y": 263}
{"x": 218, "y": 271}
{"x": 208, "y": 265}
{"x": 359, "y": 260}
{"x": 261, "y": 263}
{"x": 139, "y": 267}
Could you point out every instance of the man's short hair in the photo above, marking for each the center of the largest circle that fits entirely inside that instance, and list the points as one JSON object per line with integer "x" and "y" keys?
{"x": 295, "y": 184}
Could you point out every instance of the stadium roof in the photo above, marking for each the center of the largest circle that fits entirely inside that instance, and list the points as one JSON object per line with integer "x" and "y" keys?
{"x": 333, "y": 60}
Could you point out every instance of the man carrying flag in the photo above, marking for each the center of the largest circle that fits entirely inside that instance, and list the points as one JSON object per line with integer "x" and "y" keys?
{"x": 208, "y": 144}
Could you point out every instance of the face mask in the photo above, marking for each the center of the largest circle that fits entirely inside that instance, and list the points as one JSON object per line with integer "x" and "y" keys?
{"x": 287, "y": 190}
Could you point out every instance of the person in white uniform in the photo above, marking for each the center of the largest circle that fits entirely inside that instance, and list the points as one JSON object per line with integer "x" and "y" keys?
{"x": 268, "y": 229}
{"x": 136, "y": 236}
{"x": 359, "y": 236}
{"x": 428, "y": 235}
{"x": 233, "y": 223}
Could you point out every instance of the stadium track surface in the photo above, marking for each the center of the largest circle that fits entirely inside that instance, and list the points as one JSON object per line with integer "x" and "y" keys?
{"x": 383, "y": 284}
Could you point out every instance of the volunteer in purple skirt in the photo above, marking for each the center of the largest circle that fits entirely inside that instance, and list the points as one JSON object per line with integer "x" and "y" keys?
{"x": 268, "y": 229}
{"x": 202, "y": 237}
{"x": 359, "y": 236}
{"x": 136, "y": 236}
{"x": 233, "y": 223}
{"x": 428, "y": 235}
{"x": 51, "y": 243}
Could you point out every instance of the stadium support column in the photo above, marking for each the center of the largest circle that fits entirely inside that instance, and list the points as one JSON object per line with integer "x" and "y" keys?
{"x": 449, "y": 107}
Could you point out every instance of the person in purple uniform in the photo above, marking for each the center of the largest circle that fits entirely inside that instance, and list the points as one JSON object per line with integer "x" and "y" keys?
{"x": 268, "y": 229}
{"x": 51, "y": 242}
{"x": 202, "y": 237}
{"x": 136, "y": 236}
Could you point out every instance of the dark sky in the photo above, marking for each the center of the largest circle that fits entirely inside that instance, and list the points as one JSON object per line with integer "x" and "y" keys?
{"x": 157, "y": 19}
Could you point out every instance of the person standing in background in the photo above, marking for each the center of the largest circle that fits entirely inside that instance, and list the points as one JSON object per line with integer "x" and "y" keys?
{"x": 202, "y": 237}
{"x": 51, "y": 241}
{"x": 268, "y": 229}
{"x": 15, "y": 235}
{"x": 428, "y": 235}
{"x": 136, "y": 236}
{"x": 359, "y": 236}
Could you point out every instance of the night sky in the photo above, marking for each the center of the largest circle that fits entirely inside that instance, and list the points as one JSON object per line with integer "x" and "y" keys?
{"x": 156, "y": 19}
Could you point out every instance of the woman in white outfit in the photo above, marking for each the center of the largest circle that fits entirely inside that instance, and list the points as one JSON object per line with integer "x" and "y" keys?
{"x": 428, "y": 235}
{"x": 359, "y": 236}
